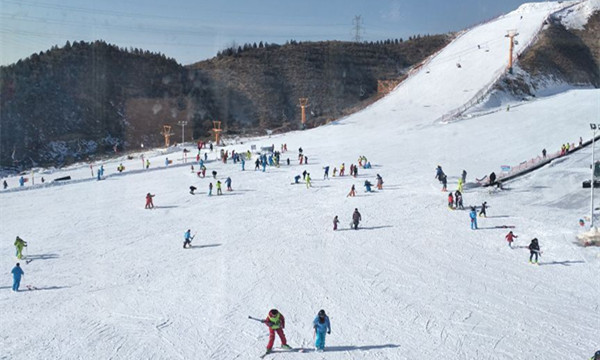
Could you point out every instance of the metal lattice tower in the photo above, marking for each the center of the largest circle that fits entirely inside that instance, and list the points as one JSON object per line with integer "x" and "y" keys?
{"x": 357, "y": 27}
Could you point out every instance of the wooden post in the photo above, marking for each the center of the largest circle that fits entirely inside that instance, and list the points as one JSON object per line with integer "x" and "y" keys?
{"x": 217, "y": 131}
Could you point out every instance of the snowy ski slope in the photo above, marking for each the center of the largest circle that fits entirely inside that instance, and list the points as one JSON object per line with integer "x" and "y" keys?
{"x": 414, "y": 282}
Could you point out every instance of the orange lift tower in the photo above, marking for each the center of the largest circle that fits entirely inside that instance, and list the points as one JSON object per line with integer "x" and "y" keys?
{"x": 303, "y": 106}
{"x": 511, "y": 35}
{"x": 217, "y": 131}
{"x": 167, "y": 134}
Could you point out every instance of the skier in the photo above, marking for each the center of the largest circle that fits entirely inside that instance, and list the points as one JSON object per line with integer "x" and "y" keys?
{"x": 276, "y": 323}
{"x": 460, "y": 184}
{"x": 219, "y": 192}
{"x": 5, "y": 184}
{"x": 342, "y": 168}
{"x": 21, "y": 181}
{"x": 463, "y": 176}
{"x": 308, "y": 180}
{"x": 326, "y": 173}
{"x": 334, "y": 171}
{"x": 483, "y": 208}
{"x": 305, "y": 160}
{"x": 19, "y": 245}
{"x": 166, "y": 162}
{"x": 17, "y": 273}
{"x": 335, "y": 222}
{"x": 304, "y": 174}
{"x": 473, "y": 216}
{"x": 510, "y": 237}
{"x": 228, "y": 183}
{"x": 243, "y": 164}
{"x": 438, "y": 173}
{"x": 379, "y": 182}
{"x": 450, "y": 201}
{"x": 192, "y": 189}
{"x": 596, "y": 356}
{"x": 368, "y": 186}
{"x": 147, "y": 163}
{"x": 321, "y": 325}
{"x": 444, "y": 181}
{"x": 458, "y": 200}
{"x": 544, "y": 153}
{"x": 214, "y": 174}
{"x": 149, "y": 202}
{"x": 297, "y": 179}
{"x": 534, "y": 249}
{"x": 187, "y": 239}
{"x": 288, "y": 161}
{"x": 210, "y": 187}
{"x": 352, "y": 191}
{"x": 356, "y": 218}
{"x": 120, "y": 168}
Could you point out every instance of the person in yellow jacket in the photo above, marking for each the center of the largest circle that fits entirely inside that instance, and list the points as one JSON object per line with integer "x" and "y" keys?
{"x": 276, "y": 323}
{"x": 20, "y": 244}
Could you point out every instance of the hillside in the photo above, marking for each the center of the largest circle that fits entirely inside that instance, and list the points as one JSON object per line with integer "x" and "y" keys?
{"x": 79, "y": 101}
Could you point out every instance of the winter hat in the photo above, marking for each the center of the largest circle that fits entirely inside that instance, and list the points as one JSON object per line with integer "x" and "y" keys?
{"x": 273, "y": 312}
{"x": 322, "y": 313}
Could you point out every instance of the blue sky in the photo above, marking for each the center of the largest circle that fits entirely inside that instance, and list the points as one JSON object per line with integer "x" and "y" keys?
{"x": 194, "y": 30}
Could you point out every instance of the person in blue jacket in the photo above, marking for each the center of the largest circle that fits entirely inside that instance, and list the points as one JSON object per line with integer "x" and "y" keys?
{"x": 243, "y": 164}
{"x": 21, "y": 181}
{"x": 321, "y": 325}
{"x": 17, "y": 273}
{"x": 187, "y": 239}
{"x": 473, "y": 216}
{"x": 368, "y": 185}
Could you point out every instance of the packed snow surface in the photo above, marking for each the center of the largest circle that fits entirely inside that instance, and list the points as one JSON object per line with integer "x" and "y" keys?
{"x": 413, "y": 282}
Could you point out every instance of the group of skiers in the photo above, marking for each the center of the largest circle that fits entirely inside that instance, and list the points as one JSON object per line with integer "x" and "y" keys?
{"x": 275, "y": 321}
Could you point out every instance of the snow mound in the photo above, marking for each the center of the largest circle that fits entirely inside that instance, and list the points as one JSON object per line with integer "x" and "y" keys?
{"x": 576, "y": 17}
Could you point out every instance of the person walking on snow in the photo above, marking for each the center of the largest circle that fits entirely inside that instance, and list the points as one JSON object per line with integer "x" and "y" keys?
{"x": 334, "y": 171}
{"x": 326, "y": 173}
{"x": 458, "y": 200}
{"x": 510, "y": 237}
{"x": 444, "y": 181}
{"x": 149, "y": 202}
{"x": 356, "y": 218}
{"x": 463, "y": 177}
{"x": 473, "y": 216}
{"x": 243, "y": 164}
{"x": 483, "y": 208}
{"x": 308, "y": 180}
{"x": 460, "y": 184}
{"x": 534, "y": 250}
{"x": 19, "y": 245}
{"x": 352, "y": 191}
{"x": 210, "y": 187}
{"x": 335, "y": 222}
{"x": 321, "y": 325}
{"x": 5, "y": 184}
{"x": 379, "y": 182}
{"x": 450, "y": 201}
{"x": 228, "y": 183}
{"x": 276, "y": 323}
{"x": 438, "y": 173}
{"x": 187, "y": 239}
{"x": 219, "y": 192}
{"x": 17, "y": 273}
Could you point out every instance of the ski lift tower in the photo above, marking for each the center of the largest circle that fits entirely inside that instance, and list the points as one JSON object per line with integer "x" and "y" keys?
{"x": 182, "y": 123}
{"x": 217, "y": 131}
{"x": 511, "y": 36}
{"x": 167, "y": 134}
{"x": 303, "y": 106}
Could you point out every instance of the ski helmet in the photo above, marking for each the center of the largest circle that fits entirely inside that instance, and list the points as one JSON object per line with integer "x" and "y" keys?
{"x": 273, "y": 312}
{"x": 321, "y": 313}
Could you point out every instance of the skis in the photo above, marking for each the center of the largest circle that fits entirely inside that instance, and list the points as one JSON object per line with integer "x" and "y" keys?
{"x": 282, "y": 349}
{"x": 31, "y": 287}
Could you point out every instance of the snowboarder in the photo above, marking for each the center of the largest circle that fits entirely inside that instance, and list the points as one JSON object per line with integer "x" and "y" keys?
{"x": 335, "y": 222}
{"x": 17, "y": 272}
{"x": 210, "y": 187}
{"x": 510, "y": 237}
{"x": 326, "y": 173}
{"x": 192, "y": 189}
{"x": 379, "y": 182}
{"x": 219, "y": 192}
{"x": 473, "y": 216}
{"x": 352, "y": 191}
{"x": 228, "y": 183}
{"x": 321, "y": 325}
{"x": 534, "y": 250}
{"x": 19, "y": 245}
{"x": 483, "y": 208}
{"x": 149, "y": 202}
{"x": 368, "y": 186}
{"x": 450, "y": 201}
{"x": 187, "y": 239}
{"x": 276, "y": 323}
{"x": 356, "y": 218}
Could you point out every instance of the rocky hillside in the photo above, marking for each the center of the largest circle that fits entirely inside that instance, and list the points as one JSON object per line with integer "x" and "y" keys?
{"x": 80, "y": 101}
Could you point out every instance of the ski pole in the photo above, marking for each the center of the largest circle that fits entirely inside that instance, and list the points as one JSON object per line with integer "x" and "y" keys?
{"x": 256, "y": 319}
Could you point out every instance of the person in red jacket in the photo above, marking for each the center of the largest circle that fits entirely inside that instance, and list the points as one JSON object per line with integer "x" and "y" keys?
{"x": 276, "y": 323}
{"x": 149, "y": 203}
{"x": 450, "y": 201}
{"x": 510, "y": 237}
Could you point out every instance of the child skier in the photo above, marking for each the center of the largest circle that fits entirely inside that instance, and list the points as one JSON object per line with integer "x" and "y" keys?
{"x": 450, "y": 201}
{"x": 17, "y": 272}
{"x": 356, "y": 218}
{"x": 228, "y": 183}
{"x": 187, "y": 239}
{"x": 149, "y": 202}
{"x": 368, "y": 185}
{"x": 210, "y": 187}
{"x": 342, "y": 168}
{"x": 276, "y": 323}
{"x": 335, "y": 222}
{"x": 352, "y": 191}
{"x": 321, "y": 325}
{"x": 534, "y": 250}
{"x": 444, "y": 181}
{"x": 308, "y": 180}
{"x": 379, "y": 182}
{"x": 219, "y": 192}
{"x": 20, "y": 244}
{"x": 326, "y": 173}
{"x": 473, "y": 216}
{"x": 483, "y": 208}
{"x": 510, "y": 237}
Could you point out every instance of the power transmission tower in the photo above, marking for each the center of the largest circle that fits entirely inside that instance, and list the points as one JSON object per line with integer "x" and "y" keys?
{"x": 357, "y": 27}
